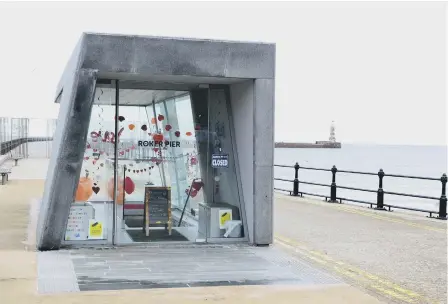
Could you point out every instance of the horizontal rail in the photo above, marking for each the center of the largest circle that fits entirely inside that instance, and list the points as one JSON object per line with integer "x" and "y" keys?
{"x": 380, "y": 205}
{"x": 315, "y": 184}
{"x": 358, "y": 189}
{"x": 316, "y": 169}
{"x": 6, "y": 147}
{"x": 280, "y": 189}
{"x": 413, "y": 177}
{"x": 363, "y": 173}
{"x": 283, "y": 166}
{"x": 410, "y": 208}
{"x": 411, "y": 195}
{"x": 357, "y": 172}
{"x": 283, "y": 180}
{"x": 356, "y": 201}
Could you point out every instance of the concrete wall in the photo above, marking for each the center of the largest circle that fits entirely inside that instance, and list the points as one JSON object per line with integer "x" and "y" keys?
{"x": 242, "y": 107}
{"x": 66, "y": 158}
{"x": 140, "y": 55}
{"x": 263, "y": 161}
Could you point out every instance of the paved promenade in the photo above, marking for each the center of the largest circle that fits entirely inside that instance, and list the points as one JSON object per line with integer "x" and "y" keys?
{"x": 377, "y": 257}
{"x": 400, "y": 256}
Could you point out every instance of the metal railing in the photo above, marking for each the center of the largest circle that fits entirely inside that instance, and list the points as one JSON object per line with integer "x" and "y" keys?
{"x": 9, "y": 146}
{"x": 379, "y": 204}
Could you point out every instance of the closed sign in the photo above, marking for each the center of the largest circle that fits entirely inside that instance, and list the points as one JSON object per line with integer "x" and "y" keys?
{"x": 220, "y": 160}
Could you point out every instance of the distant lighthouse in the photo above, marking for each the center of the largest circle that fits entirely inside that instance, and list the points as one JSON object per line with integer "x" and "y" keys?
{"x": 332, "y": 133}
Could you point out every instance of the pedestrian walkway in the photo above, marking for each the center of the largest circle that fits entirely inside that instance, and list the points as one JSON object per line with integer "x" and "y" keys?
{"x": 400, "y": 256}
{"x": 287, "y": 279}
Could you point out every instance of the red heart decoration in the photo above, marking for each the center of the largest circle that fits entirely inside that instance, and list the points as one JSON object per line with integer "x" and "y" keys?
{"x": 168, "y": 127}
{"x": 160, "y": 117}
{"x": 177, "y": 133}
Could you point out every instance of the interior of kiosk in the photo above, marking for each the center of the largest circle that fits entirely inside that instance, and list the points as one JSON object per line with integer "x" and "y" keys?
{"x": 158, "y": 166}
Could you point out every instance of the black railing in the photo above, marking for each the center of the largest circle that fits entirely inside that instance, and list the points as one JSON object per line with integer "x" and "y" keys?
{"x": 379, "y": 204}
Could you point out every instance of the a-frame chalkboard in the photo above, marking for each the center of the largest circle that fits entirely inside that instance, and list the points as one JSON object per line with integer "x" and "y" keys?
{"x": 157, "y": 208}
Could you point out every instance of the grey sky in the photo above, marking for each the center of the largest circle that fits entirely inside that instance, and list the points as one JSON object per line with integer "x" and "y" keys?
{"x": 377, "y": 69}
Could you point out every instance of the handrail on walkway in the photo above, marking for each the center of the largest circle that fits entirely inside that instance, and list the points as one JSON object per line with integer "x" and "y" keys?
{"x": 7, "y": 146}
{"x": 333, "y": 198}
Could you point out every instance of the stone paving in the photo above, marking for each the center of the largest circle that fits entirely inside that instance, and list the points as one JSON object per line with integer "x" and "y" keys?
{"x": 171, "y": 266}
{"x": 367, "y": 247}
{"x": 282, "y": 277}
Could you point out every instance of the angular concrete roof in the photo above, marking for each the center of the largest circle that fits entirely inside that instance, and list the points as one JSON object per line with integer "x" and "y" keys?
{"x": 171, "y": 59}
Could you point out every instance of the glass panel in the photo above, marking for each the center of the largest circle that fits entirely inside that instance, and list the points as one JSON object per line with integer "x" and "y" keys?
{"x": 222, "y": 209}
{"x": 155, "y": 150}
{"x": 91, "y": 212}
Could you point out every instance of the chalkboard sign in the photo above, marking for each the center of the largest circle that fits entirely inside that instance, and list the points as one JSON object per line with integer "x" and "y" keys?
{"x": 158, "y": 208}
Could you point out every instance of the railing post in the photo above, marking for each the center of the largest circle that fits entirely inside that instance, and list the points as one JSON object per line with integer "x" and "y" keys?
{"x": 333, "y": 184}
{"x": 295, "y": 191}
{"x": 442, "y": 203}
{"x": 380, "y": 193}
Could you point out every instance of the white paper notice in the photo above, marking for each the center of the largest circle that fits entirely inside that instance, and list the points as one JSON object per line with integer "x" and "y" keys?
{"x": 78, "y": 223}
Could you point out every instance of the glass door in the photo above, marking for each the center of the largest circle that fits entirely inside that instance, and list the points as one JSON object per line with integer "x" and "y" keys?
{"x": 159, "y": 184}
{"x": 220, "y": 214}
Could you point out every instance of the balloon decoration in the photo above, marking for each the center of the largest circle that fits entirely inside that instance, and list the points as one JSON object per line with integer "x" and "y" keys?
{"x": 131, "y": 127}
{"x": 158, "y": 137}
{"x": 129, "y": 185}
{"x": 110, "y": 190}
{"x": 84, "y": 190}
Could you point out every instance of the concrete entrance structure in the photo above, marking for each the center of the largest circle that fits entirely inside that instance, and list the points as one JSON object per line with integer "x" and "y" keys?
{"x": 248, "y": 71}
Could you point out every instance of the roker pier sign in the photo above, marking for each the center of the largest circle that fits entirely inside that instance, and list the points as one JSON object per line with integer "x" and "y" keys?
{"x": 154, "y": 143}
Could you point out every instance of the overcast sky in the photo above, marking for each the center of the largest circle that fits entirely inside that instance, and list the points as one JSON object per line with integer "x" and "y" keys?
{"x": 377, "y": 69}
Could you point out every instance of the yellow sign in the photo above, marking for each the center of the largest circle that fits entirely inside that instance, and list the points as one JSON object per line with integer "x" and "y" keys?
{"x": 224, "y": 216}
{"x": 95, "y": 229}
